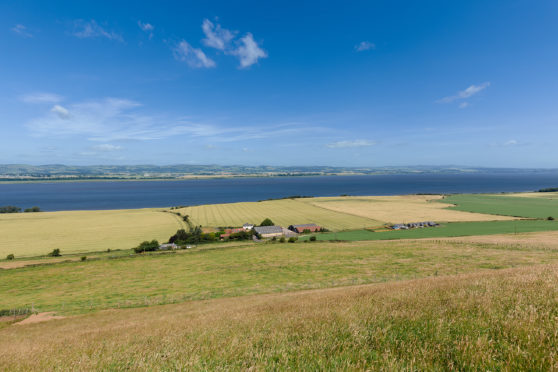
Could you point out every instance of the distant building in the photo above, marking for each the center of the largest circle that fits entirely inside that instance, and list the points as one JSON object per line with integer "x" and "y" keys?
{"x": 168, "y": 247}
{"x": 248, "y": 226}
{"x": 269, "y": 231}
{"x": 312, "y": 227}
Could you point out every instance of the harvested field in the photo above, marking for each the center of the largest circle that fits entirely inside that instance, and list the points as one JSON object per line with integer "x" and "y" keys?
{"x": 399, "y": 209}
{"x": 282, "y": 212}
{"x": 33, "y": 234}
{"x": 498, "y": 320}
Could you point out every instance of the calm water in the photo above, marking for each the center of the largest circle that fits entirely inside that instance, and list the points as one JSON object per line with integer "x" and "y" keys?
{"x": 141, "y": 194}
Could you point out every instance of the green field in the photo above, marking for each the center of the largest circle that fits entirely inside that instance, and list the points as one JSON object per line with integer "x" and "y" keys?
{"x": 212, "y": 272}
{"x": 282, "y": 212}
{"x": 445, "y": 230}
{"x": 36, "y": 234}
{"x": 528, "y": 207}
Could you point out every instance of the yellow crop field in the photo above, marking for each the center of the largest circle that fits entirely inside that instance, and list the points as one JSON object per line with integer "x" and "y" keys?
{"x": 399, "y": 209}
{"x": 282, "y": 212}
{"x": 31, "y": 234}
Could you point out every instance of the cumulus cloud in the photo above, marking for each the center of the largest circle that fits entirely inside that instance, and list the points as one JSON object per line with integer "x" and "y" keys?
{"x": 21, "y": 30}
{"x": 464, "y": 94}
{"x": 248, "y": 52}
{"x": 41, "y": 97}
{"x": 463, "y": 105}
{"x": 194, "y": 57}
{"x": 511, "y": 143}
{"x": 364, "y": 45}
{"x": 348, "y": 144}
{"x": 91, "y": 29}
{"x": 147, "y": 28}
{"x": 216, "y": 36}
{"x": 60, "y": 111}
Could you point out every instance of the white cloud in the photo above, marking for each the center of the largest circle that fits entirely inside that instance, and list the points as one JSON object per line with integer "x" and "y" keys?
{"x": 347, "y": 144}
{"x": 107, "y": 147}
{"x": 463, "y": 105}
{"x": 248, "y": 52}
{"x": 92, "y": 29}
{"x": 511, "y": 143}
{"x": 364, "y": 45}
{"x": 112, "y": 119}
{"x": 464, "y": 94}
{"x": 41, "y": 97}
{"x": 147, "y": 27}
{"x": 216, "y": 36}
{"x": 61, "y": 112}
{"x": 194, "y": 57}
{"x": 21, "y": 30}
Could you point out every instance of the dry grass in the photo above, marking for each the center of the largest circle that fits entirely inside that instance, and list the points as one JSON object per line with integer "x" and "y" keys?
{"x": 542, "y": 195}
{"x": 282, "y": 212}
{"x": 548, "y": 239}
{"x": 399, "y": 209}
{"x": 32, "y": 234}
{"x": 503, "y": 320}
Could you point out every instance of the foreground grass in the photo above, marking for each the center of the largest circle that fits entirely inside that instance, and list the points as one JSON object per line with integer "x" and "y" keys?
{"x": 77, "y": 287}
{"x": 499, "y": 320}
{"x": 35, "y": 234}
{"x": 529, "y": 207}
{"x": 452, "y": 229}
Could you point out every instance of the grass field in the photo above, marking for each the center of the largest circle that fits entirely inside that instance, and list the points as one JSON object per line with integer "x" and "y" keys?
{"x": 399, "y": 209}
{"x": 76, "y": 287}
{"x": 282, "y": 212}
{"x": 34, "y": 234}
{"x": 492, "y": 321}
{"x": 445, "y": 230}
{"x": 530, "y": 207}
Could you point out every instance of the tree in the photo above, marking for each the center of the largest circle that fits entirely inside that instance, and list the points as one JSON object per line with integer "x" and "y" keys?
{"x": 55, "y": 253}
{"x": 313, "y": 238}
{"x": 282, "y": 239}
{"x": 550, "y": 218}
{"x": 267, "y": 222}
{"x": 32, "y": 209}
{"x": 10, "y": 209}
{"x": 10, "y": 256}
{"x": 292, "y": 239}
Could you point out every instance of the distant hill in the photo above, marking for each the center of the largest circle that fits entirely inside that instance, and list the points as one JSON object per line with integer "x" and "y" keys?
{"x": 15, "y": 172}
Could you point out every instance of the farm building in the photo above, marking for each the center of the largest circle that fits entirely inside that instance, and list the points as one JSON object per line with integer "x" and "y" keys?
{"x": 248, "y": 226}
{"x": 312, "y": 227}
{"x": 269, "y": 231}
{"x": 167, "y": 247}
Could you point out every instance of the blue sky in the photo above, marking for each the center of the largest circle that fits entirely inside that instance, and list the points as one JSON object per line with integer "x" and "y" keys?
{"x": 345, "y": 83}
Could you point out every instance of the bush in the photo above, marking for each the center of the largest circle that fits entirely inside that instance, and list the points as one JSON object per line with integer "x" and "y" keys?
{"x": 83, "y": 258}
{"x": 313, "y": 238}
{"x": 147, "y": 246}
{"x": 282, "y": 239}
{"x": 55, "y": 253}
{"x": 550, "y": 218}
{"x": 292, "y": 239}
{"x": 267, "y": 222}
{"x": 32, "y": 209}
{"x": 10, "y": 256}
{"x": 10, "y": 209}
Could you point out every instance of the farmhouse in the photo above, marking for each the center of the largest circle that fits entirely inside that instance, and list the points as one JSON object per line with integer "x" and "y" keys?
{"x": 312, "y": 227}
{"x": 168, "y": 246}
{"x": 269, "y": 231}
{"x": 248, "y": 226}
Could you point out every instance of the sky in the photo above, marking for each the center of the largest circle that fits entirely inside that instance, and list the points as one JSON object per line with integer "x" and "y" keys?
{"x": 341, "y": 83}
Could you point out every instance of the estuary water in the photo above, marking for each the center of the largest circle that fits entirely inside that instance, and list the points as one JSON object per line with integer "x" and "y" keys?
{"x": 56, "y": 196}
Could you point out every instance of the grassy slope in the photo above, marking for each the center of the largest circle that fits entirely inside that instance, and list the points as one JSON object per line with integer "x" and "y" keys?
{"x": 32, "y": 234}
{"x": 282, "y": 212}
{"x": 505, "y": 205}
{"x": 446, "y": 230}
{"x": 503, "y": 320}
{"x": 253, "y": 268}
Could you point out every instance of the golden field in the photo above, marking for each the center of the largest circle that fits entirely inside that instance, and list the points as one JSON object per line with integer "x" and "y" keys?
{"x": 34, "y": 234}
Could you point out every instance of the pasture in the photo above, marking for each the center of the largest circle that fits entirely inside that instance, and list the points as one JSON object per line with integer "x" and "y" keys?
{"x": 36, "y": 234}
{"x": 445, "y": 230}
{"x": 494, "y": 321}
{"x": 528, "y": 207}
{"x": 211, "y": 272}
